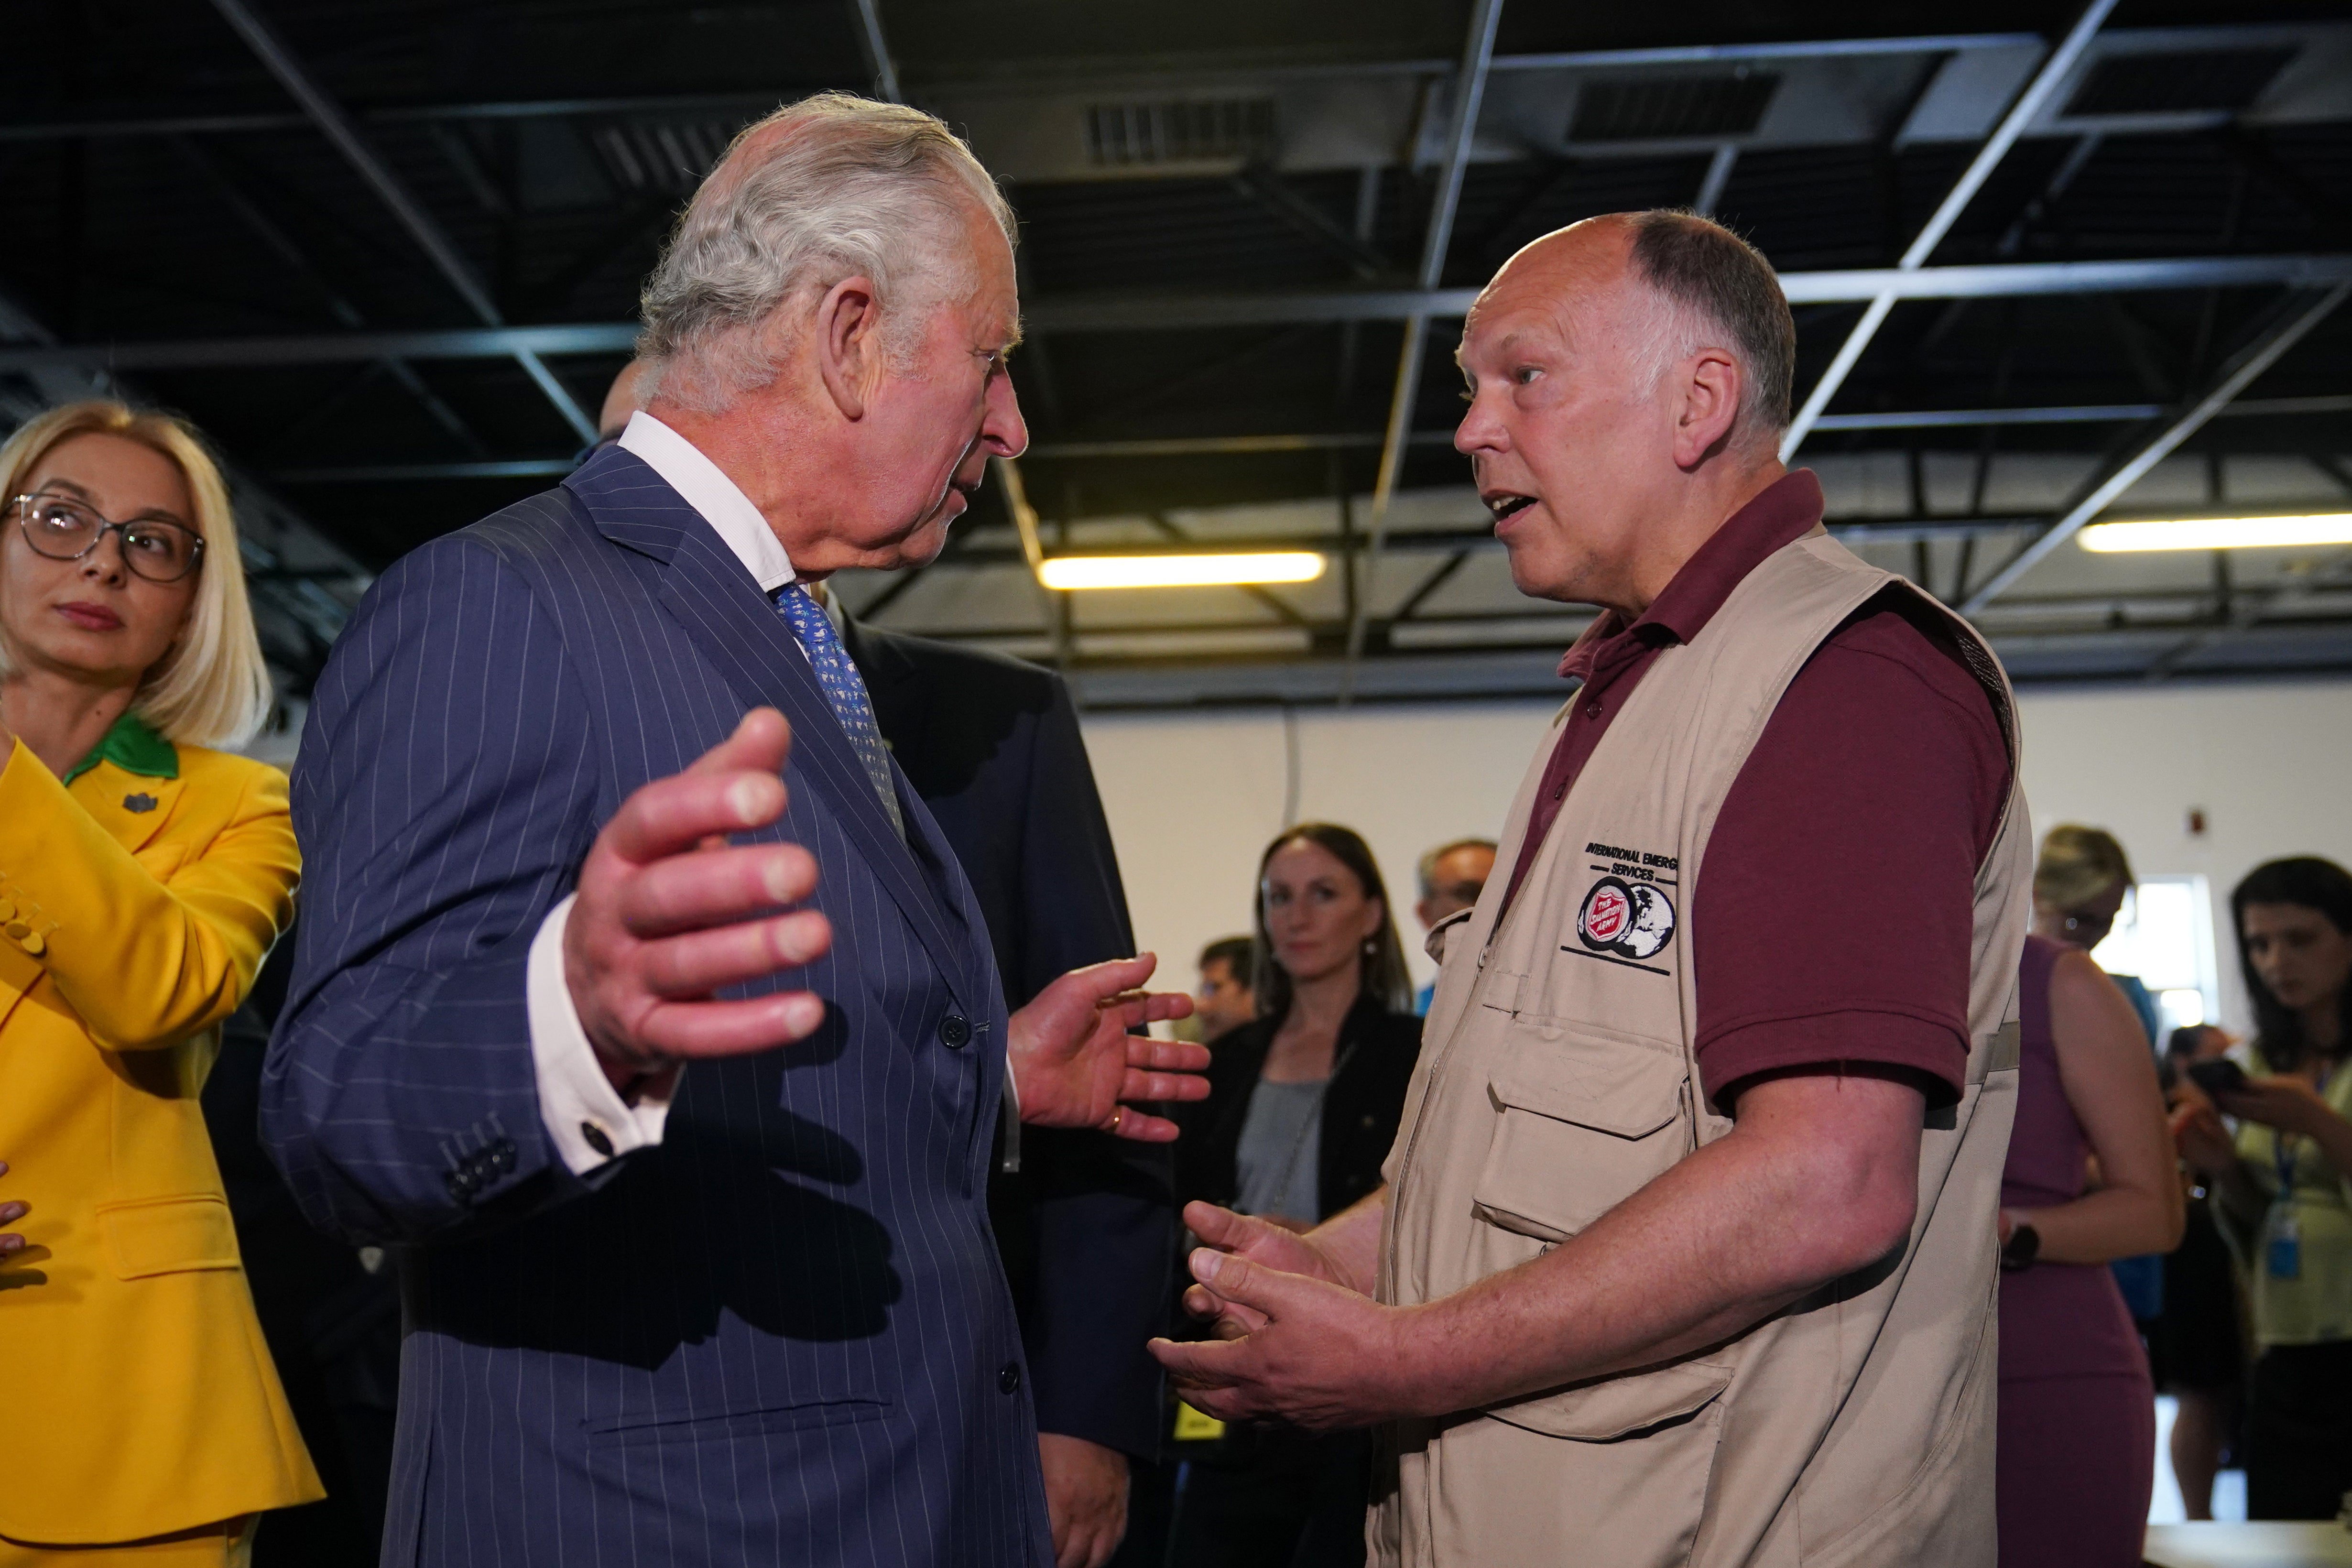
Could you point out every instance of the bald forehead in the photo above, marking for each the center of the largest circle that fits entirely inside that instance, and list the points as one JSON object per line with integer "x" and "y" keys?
{"x": 1569, "y": 268}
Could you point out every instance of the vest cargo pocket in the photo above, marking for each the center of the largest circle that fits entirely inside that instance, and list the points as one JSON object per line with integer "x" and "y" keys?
{"x": 1582, "y": 1121}
{"x": 1619, "y": 1406}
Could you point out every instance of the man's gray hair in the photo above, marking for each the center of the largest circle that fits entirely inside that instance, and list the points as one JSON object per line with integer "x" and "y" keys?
{"x": 1717, "y": 290}
{"x": 832, "y": 186}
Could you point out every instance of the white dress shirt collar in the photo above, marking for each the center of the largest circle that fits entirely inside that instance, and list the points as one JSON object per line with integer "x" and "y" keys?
{"x": 703, "y": 486}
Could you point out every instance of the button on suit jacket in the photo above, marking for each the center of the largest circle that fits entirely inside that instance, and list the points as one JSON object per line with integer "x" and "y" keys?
{"x": 781, "y": 1335}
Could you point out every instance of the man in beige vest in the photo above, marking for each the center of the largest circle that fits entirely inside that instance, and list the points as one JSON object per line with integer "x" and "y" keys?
{"x": 1686, "y": 1253}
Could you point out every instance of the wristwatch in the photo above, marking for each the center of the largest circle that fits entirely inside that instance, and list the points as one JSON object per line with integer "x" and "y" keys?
{"x": 2024, "y": 1244}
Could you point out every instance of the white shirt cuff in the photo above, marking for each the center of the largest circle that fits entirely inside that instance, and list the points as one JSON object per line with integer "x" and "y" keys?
{"x": 585, "y": 1116}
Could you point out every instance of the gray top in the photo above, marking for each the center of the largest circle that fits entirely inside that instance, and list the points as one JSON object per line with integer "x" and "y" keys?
{"x": 1281, "y": 1143}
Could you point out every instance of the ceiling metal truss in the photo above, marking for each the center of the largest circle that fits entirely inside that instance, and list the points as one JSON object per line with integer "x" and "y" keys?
{"x": 2056, "y": 243}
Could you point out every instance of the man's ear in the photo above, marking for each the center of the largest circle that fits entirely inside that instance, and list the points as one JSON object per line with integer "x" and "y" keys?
{"x": 1710, "y": 404}
{"x": 849, "y": 349}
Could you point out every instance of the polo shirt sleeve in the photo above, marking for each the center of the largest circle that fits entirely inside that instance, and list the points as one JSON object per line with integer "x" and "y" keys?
{"x": 1832, "y": 921}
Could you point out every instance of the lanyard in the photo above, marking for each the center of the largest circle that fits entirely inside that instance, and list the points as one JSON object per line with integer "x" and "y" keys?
{"x": 2282, "y": 1144}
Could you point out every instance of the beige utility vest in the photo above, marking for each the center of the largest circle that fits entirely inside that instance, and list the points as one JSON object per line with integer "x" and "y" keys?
{"x": 1558, "y": 1076}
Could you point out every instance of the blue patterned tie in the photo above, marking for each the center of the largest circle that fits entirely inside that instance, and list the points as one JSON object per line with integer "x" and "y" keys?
{"x": 844, "y": 692}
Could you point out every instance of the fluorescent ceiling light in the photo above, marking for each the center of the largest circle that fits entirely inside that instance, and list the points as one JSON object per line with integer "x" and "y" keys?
{"x": 2219, "y": 533}
{"x": 1179, "y": 571}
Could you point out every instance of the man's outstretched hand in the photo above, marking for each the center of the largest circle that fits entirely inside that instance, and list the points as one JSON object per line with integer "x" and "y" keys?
{"x": 1263, "y": 1242}
{"x": 669, "y": 912}
{"x": 1301, "y": 1347}
{"x": 1074, "y": 1065}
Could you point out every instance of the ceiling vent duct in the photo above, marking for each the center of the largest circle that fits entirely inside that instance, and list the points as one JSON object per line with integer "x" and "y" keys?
{"x": 2178, "y": 83}
{"x": 1128, "y": 135}
{"x": 656, "y": 156}
{"x": 1676, "y": 109}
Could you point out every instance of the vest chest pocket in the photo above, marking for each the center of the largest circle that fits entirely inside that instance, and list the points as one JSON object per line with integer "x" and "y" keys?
{"x": 1584, "y": 1118}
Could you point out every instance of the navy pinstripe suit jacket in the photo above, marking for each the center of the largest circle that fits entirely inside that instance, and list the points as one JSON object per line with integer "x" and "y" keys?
{"x": 782, "y": 1336}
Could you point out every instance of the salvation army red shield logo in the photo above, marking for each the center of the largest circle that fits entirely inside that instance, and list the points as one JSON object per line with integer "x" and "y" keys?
{"x": 1629, "y": 919}
{"x": 1608, "y": 911}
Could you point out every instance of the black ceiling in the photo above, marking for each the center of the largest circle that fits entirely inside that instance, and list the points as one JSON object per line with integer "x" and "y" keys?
{"x": 165, "y": 185}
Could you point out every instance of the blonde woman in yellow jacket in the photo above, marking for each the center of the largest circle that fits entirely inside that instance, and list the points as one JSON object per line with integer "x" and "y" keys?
{"x": 142, "y": 877}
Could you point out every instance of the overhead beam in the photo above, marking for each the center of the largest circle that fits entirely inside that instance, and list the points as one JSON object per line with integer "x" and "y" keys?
{"x": 331, "y": 348}
{"x": 1176, "y": 312}
{"x": 2251, "y": 610}
{"x": 2236, "y": 376}
{"x": 340, "y": 130}
{"x": 394, "y": 473}
{"x": 2163, "y": 613}
{"x": 273, "y": 234}
{"x": 877, "y": 49}
{"x": 993, "y": 549}
{"x": 199, "y": 123}
{"x": 1260, "y": 183}
{"x": 1718, "y": 177}
{"x": 2054, "y": 72}
{"x": 1461, "y": 124}
{"x": 1362, "y": 440}
{"x": 1748, "y": 54}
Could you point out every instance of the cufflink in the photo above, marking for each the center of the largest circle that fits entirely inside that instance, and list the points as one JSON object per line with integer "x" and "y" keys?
{"x": 596, "y": 1139}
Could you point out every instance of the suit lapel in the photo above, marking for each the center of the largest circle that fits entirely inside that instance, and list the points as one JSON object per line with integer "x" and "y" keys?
{"x": 706, "y": 589}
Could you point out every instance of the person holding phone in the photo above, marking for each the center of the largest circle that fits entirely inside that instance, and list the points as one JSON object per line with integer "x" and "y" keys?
{"x": 2198, "y": 1347}
{"x": 2281, "y": 1180}
{"x": 2077, "y": 1440}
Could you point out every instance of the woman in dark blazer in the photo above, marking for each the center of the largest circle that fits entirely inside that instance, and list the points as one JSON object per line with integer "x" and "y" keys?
{"x": 1303, "y": 1105}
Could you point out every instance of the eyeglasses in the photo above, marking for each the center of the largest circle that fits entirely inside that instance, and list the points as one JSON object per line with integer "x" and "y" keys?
{"x": 65, "y": 529}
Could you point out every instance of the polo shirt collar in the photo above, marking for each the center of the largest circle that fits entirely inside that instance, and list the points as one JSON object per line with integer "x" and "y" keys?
{"x": 1782, "y": 511}
{"x": 134, "y": 746}
{"x": 704, "y": 486}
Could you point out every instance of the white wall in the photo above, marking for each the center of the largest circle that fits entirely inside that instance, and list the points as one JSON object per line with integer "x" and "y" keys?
{"x": 2269, "y": 766}
{"x": 1192, "y": 799}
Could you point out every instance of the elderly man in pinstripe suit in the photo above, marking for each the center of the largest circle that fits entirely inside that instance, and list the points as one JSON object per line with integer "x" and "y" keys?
{"x": 675, "y": 1295}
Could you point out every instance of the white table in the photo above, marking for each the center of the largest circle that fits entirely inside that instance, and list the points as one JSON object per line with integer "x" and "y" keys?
{"x": 2249, "y": 1546}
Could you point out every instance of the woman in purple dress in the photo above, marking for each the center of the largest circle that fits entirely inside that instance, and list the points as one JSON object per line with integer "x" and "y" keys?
{"x": 2090, "y": 1177}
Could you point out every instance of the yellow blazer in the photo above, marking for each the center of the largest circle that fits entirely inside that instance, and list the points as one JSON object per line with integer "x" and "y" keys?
{"x": 139, "y": 1396}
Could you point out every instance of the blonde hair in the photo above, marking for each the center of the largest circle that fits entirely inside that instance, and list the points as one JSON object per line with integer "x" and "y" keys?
{"x": 210, "y": 688}
{"x": 2077, "y": 865}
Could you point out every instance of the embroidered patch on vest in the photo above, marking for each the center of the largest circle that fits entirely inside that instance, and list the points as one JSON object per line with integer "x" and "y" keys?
{"x": 1631, "y": 920}
{"x": 1627, "y": 915}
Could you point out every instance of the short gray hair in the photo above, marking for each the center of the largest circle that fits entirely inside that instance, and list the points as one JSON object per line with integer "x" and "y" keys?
{"x": 832, "y": 186}
{"x": 1715, "y": 290}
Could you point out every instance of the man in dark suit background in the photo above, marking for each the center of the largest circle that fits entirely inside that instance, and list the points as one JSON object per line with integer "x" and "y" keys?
{"x": 1085, "y": 1224}
{"x": 674, "y": 1295}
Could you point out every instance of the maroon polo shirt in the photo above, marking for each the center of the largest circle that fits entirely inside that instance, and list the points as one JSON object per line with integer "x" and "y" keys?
{"x": 1833, "y": 921}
